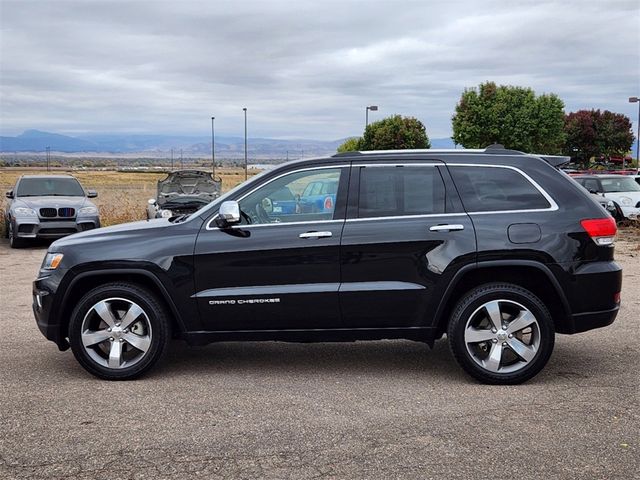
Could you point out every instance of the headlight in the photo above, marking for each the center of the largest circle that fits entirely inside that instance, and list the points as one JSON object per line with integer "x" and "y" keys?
{"x": 24, "y": 212}
{"x": 51, "y": 261}
{"x": 626, "y": 201}
{"x": 88, "y": 211}
{"x": 165, "y": 213}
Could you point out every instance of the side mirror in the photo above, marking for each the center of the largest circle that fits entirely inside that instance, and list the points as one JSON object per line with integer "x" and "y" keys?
{"x": 9, "y": 194}
{"x": 92, "y": 193}
{"x": 229, "y": 213}
{"x": 151, "y": 201}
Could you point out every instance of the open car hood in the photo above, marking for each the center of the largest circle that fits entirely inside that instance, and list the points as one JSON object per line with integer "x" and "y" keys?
{"x": 188, "y": 183}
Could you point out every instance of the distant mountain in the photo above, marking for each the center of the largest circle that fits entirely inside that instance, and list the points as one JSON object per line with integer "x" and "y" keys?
{"x": 37, "y": 141}
{"x": 191, "y": 146}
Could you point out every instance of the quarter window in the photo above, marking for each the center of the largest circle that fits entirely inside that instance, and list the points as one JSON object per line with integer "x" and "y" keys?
{"x": 493, "y": 189}
{"x": 301, "y": 196}
{"x": 401, "y": 190}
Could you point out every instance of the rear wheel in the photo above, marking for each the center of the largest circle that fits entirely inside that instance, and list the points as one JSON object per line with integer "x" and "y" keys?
{"x": 501, "y": 334}
{"x": 119, "y": 331}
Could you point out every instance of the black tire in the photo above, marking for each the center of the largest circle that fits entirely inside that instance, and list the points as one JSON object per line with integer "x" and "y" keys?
{"x": 159, "y": 331}
{"x": 14, "y": 242}
{"x": 471, "y": 313}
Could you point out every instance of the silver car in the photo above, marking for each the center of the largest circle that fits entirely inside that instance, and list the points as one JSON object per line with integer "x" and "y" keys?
{"x": 183, "y": 192}
{"x": 48, "y": 206}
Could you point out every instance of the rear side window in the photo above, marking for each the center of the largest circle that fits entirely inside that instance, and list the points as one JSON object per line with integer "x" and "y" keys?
{"x": 494, "y": 189}
{"x": 397, "y": 191}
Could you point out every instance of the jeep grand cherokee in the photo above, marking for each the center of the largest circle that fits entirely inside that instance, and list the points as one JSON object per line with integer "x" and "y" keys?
{"x": 496, "y": 249}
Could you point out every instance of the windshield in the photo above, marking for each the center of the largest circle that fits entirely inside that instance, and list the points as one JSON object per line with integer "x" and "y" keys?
{"x": 622, "y": 184}
{"x": 57, "y": 186}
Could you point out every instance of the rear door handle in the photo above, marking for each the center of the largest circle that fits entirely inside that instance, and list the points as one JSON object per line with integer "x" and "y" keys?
{"x": 447, "y": 228}
{"x": 316, "y": 235}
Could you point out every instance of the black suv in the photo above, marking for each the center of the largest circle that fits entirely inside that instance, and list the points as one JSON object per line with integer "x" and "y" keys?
{"x": 494, "y": 248}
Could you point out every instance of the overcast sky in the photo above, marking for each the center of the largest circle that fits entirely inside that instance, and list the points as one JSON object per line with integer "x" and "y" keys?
{"x": 304, "y": 69}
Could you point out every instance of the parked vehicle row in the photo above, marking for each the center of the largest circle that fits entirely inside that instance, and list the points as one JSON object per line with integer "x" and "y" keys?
{"x": 53, "y": 206}
{"x": 494, "y": 248}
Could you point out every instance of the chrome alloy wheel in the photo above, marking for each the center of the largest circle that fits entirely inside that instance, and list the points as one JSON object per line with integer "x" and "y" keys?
{"x": 116, "y": 333}
{"x": 502, "y": 336}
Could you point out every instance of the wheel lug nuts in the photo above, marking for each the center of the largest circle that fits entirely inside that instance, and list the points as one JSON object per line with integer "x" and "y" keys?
{"x": 121, "y": 340}
{"x": 511, "y": 335}
{"x": 494, "y": 330}
{"x": 111, "y": 339}
{"x": 126, "y": 330}
{"x": 504, "y": 344}
{"x": 109, "y": 329}
{"x": 495, "y": 340}
{"x": 117, "y": 324}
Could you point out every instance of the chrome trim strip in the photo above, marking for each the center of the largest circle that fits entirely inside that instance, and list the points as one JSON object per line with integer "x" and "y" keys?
{"x": 379, "y": 286}
{"x": 307, "y": 288}
{"x": 322, "y": 167}
{"x": 552, "y": 208}
{"x": 437, "y": 163}
{"x": 244, "y": 227}
{"x": 399, "y": 217}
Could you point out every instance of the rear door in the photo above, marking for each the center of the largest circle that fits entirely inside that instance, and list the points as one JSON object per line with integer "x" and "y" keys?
{"x": 405, "y": 236}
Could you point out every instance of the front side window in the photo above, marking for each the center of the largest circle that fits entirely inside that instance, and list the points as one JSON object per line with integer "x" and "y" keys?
{"x": 302, "y": 196}
{"x": 495, "y": 189}
{"x": 56, "y": 186}
{"x": 619, "y": 184}
{"x": 399, "y": 191}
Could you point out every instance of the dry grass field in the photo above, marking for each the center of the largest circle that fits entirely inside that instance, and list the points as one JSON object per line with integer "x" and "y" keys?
{"x": 122, "y": 196}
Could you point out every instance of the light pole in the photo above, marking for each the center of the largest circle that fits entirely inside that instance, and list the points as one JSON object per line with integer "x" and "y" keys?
{"x": 637, "y": 100}
{"x": 172, "y": 159}
{"x": 181, "y": 162}
{"x": 373, "y": 108}
{"x": 246, "y": 164}
{"x": 48, "y": 157}
{"x": 213, "y": 148}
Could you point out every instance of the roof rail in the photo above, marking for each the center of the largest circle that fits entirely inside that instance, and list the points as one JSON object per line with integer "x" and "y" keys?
{"x": 495, "y": 148}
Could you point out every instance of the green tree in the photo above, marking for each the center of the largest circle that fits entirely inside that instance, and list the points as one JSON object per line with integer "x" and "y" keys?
{"x": 592, "y": 133}
{"x": 395, "y": 133}
{"x": 350, "y": 145}
{"x": 512, "y": 116}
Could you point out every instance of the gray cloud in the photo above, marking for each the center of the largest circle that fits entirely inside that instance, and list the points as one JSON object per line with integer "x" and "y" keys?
{"x": 304, "y": 68}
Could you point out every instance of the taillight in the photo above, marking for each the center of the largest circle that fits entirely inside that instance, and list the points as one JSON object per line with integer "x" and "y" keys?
{"x": 328, "y": 203}
{"x": 601, "y": 230}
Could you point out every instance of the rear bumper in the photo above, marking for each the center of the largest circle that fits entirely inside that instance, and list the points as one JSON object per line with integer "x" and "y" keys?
{"x": 582, "y": 322}
{"x": 593, "y": 293}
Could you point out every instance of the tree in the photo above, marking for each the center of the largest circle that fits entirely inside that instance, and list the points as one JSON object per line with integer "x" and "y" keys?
{"x": 350, "y": 145}
{"x": 512, "y": 116}
{"x": 592, "y": 133}
{"x": 395, "y": 133}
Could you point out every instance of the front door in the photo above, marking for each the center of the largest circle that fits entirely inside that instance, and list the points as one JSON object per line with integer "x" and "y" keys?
{"x": 279, "y": 269}
{"x": 405, "y": 231}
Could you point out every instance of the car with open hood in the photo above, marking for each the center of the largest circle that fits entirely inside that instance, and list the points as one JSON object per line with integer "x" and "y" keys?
{"x": 183, "y": 192}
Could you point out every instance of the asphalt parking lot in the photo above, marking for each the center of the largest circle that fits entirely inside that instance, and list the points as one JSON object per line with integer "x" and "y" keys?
{"x": 388, "y": 409}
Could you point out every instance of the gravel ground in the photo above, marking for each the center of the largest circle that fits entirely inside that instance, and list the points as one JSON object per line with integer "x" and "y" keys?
{"x": 387, "y": 409}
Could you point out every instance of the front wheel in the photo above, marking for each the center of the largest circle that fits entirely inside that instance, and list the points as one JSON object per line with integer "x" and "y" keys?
{"x": 501, "y": 333}
{"x": 14, "y": 242}
{"x": 118, "y": 331}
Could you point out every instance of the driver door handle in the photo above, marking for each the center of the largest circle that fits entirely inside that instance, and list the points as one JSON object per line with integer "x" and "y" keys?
{"x": 446, "y": 228}
{"x": 316, "y": 235}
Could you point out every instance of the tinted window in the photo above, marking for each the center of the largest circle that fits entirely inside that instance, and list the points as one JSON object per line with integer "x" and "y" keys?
{"x": 394, "y": 191}
{"x": 619, "y": 184}
{"x": 491, "y": 189}
{"x": 291, "y": 198}
{"x": 60, "y": 186}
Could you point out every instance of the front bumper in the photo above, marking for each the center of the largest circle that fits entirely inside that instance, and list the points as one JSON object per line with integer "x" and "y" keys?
{"x": 38, "y": 228}
{"x": 44, "y": 290}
